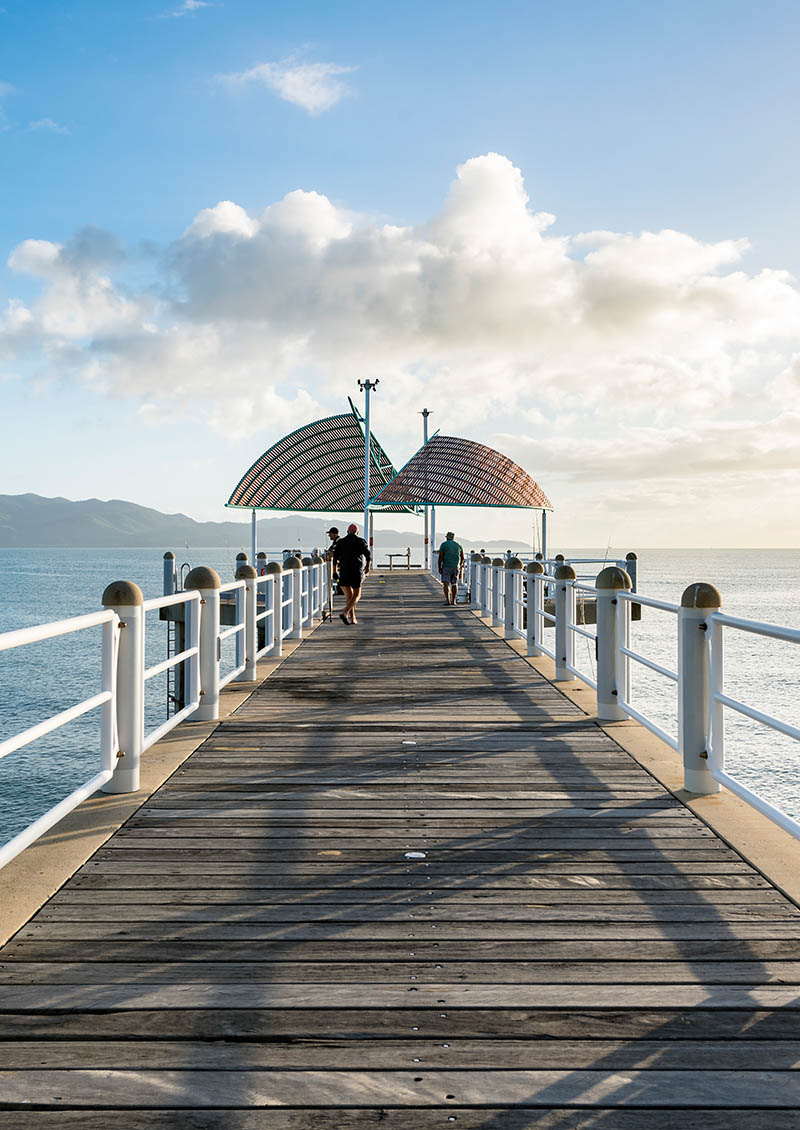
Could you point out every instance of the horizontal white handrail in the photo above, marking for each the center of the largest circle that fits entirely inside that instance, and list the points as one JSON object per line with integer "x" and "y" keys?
{"x": 55, "y": 722}
{"x": 645, "y": 662}
{"x": 104, "y": 699}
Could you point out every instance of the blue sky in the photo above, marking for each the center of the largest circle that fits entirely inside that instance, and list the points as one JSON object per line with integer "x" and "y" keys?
{"x": 620, "y": 118}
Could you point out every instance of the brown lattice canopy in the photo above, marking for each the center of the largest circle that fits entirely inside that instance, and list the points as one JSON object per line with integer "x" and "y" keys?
{"x": 449, "y": 471}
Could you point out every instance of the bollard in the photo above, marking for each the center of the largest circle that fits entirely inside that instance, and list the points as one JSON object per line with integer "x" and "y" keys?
{"x": 533, "y": 627}
{"x": 475, "y": 580}
{"x": 308, "y": 589}
{"x": 241, "y": 559}
{"x": 125, "y": 598}
{"x": 513, "y": 574}
{"x": 632, "y": 569}
{"x": 261, "y": 564}
{"x": 609, "y": 582}
{"x": 206, "y": 581}
{"x": 273, "y": 599}
{"x": 565, "y": 615}
{"x": 694, "y": 692}
{"x": 295, "y": 567}
{"x": 248, "y": 574}
{"x": 498, "y": 565}
{"x": 170, "y": 579}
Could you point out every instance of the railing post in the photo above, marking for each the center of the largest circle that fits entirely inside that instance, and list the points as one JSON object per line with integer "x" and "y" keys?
{"x": 125, "y": 598}
{"x": 308, "y": 586}
{"x": 533, "y": 626}
{"x": 497, "y": 571}
{"x": 609, "y": 582}
{"x": 694, "y": 694}
{"x": 565, "y": 612}
{"x": 248, "y": 574}
{"x": 273, "y": 598}
{"x": 632, "y": 569}
{"x": 170, "y": 584}
{"x": 513, "y": 570}
{"x": 295, "y": 565}
{"x": 318, "y": 574}
{"x": 241, "y": 559}
{"x": 206, "y": 581}
{"x": 475, "y": 580}
{"x": 261, "y": 563}
{"x": 486, "y": 565}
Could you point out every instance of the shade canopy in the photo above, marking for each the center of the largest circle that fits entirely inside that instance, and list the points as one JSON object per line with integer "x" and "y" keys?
{"x": 319, "y": 467}
{"x": 449, "y": 471}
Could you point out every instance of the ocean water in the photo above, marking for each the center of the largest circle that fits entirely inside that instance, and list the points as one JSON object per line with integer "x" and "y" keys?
{"x": 39, "y": 585}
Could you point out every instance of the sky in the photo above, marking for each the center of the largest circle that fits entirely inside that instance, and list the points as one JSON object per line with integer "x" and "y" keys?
{"x": 568, "y": 229}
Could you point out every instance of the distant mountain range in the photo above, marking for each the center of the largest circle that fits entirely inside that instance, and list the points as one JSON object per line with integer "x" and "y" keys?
{"x": 31, "y": 520}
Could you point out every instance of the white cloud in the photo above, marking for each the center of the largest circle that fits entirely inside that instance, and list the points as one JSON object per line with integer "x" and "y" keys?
{"x": 47, "y": 124}
{"x": 315, "y": 87}
{"x": 650, "y": 364}
{"x": 187, "y": 8}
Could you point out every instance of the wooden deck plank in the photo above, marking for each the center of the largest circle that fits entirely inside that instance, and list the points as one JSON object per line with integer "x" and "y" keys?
{"x": 255, "y": 937}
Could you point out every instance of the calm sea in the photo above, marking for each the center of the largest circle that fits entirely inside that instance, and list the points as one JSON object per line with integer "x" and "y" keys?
{"x": 38, "y": 585}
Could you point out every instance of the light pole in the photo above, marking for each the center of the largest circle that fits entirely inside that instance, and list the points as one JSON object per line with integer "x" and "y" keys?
{"x": 425, "y": 413}
{"x": 367, "y": 387}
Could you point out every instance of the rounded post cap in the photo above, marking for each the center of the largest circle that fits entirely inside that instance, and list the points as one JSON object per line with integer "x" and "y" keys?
{"x": 274, "y": 567}
{"x": 203, "y": 577}
{"x": 475, "y": 557}
{"x": 307, "y": 560}
{"x": 260, "y": 554}
{"x": 631, "y": 557}
{"x": 559, "y": 557}
{"x": 241, "y": 556}
{"x": 499, "y": 561}
{"x": 701, "y": 595}
{"x": 540, "y": 557}
{"x": 246, "y": 573}
{"x": 535, "y": 567}
{"x": 293, "y": 563}
{"x": 169, "y": 555}
{"x": 122, "y": 593}
{"x": 612, "y": 577}
{"x": 316, "y": 559}
{"x": 513, "y": 563}
{"x": 485, "y": 559}
{"x": 565, "y": 573}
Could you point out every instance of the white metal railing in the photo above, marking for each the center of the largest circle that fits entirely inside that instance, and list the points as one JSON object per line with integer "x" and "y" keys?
{"x": 715, "y": 730}
{"x": 497, "y": 592}
{"x": 190, "y": 655}
{"x": 278, "y": 603}
{"x": 105, "y": 700}
{"x": 237, "y": 630}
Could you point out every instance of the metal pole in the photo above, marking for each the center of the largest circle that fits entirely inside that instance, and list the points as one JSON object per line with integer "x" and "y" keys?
{"x": 366, "y": 387}
{"x": 426, "y": 557}
{"x": 253, "y": 537}
{"x": 544, "y": 534}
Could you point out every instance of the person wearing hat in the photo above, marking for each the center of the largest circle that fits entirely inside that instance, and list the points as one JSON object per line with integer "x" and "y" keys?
{"x": 333, "y": 534}
{"x": 352, "y": 558}
{"x": 451, "y": 565}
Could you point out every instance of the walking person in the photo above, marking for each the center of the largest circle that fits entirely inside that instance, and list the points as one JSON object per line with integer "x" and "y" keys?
{"x": 451, "y": 565}
{"x": 352, "y": 559}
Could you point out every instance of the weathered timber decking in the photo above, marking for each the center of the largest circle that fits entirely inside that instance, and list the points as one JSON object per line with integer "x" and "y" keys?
{"x": 254, "y": 951}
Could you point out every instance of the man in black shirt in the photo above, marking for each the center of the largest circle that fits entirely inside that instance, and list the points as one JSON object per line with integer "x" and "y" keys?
{"x": 352, "y": 558}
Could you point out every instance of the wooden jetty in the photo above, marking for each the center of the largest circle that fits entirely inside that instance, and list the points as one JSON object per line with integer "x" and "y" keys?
{"x": 407, "y": 884}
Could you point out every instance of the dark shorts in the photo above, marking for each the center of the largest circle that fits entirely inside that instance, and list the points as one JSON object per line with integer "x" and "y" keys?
{"x": 351, "y": 580}
{"x": 449, "y": 576}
